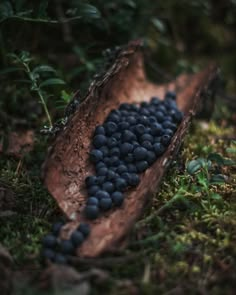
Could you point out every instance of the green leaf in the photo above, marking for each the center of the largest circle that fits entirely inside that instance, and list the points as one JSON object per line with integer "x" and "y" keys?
{"x": 90, "y": 11}
{"x": 193, "y": 166}
{"x": 216, "y": 197}
{"x": 43, "y": 68}
{"x": 6, "y": 10}
{"x": 9, "y": 70}
{"x": 217, "y": 179}
{"x": 217, "y": 158}
{"x": 51, "y": 82}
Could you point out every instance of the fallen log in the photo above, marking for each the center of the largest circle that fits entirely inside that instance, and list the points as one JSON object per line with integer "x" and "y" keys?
{"x": 67, "y": 164}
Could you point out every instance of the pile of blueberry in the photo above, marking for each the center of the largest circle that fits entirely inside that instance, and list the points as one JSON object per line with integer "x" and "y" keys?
{"x": 125, "y": 145}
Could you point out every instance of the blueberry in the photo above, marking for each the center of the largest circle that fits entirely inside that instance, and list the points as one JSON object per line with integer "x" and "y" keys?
{"x": 177, "y": 116}
{"x": 146, "y": 137}
{"x": 159, "y": 149}
{"x": 155, "y": 100}
{"x": 91, "y": 180}
{"x": 108, "y": 187}
{"x": 120, "y": 184}
{"x": 114, "y": 161}
{"x": 67, "y": 247}
{"x": 104, "y": 150}
{"x": 144, "y": 111}
{"x": 141, "y": 166}
{"x": 132, "y": 168}
{"x": 156, "y": 129}
{"x": 170, "y": 94}
{"x": 60, "y": 258}
{"x": 77, "y": 236}
{"x": 102, "y": 195}
{"x": 49, "y": 241}
{"x": 48, "y": 254}
{"x": 165, "y": 139}
{"x": 168, "y": 132}
{"x": 125, "y": 176}
{"x": 112, "y": 142}
{"x": 147, "y": 145}
{"x": 152, "y": 119}
{"x": 124, "y": 106}
{"x": 84, "y": 228}
{"x": 128, "y": 136}
{"x": 99, "y": 130}
{"x": 117, "y": 135}
{"x": 126, "y": 148}
{"x": 113, "y": 118}
{"x": 56, "y": 227}
{"x": 140, "y": 153}
{"x": 91, "y": 211}
{"x": 105, "y": 204}
{"x": 134, "y": 179}
{"x": 140, "y": 129}
{"x": 159, "y": 116}
{"x": 117, "y": 198}
{"x": 151, "y": 157}
{"x": 162, "y": 108}
{"x": 102, "y": 171}
{"x": 92, "y": 201}
{"x": 135, "y": 144}
{"x": 93, "y": 189}
{"x": 168, "y": 124}
{"x": 100, "y": 180}
{"x": 121, "y": 169}
{"x": 144, "y": 104}
{"x": 123, "y": 126}
{"x": 100, "y": 165}
{"x": 157, "y": 139}
{"x": 115, "y": 151}
{"x": 96, "y": 155}
{"x": 131, "y": 120}
{"x": 99, "y": 140}
{"x": 111, "y": 175}
{"x": 143, "y": 120}
{"x": 110, "y": 127}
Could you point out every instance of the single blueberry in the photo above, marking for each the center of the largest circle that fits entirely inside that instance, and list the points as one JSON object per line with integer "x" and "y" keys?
{"x": 141, "y": 166}
{"x": 177, "y": 116}
{"x": 110, "y": 127}
{"x": 99, "y": 140}
{"x": 102, "y": 195}
{"x": 125, "y": 106}
{"x": 168, "y": 132}
{"x": 120, "y": 184}
{"x": 111, "y": 175}
{"x": 117, "y": 135}
{"x": 157, "y": 139}
{"x": 99, "y": 130}
{"x": 67, "y": 247}
{"x": 121, "y": 169}
{"x": 84, "y": 228}
{"x": 152, "y": 119}
{"x": 93, "y": 189}
{"x": 108, "y": 187}
{"x": 140, "y": 129}
{"x": 48, "y": 254}
{"x": 91, "y": 211}
{"x": 168, "y": 125}
{"x": 92, "y": 201}
{"x": 146, "y": 137}
{"x": 115, "y": 151}
{"x": 49, "y": 241}
{"x": 131, "y": 120}
{"x": 105, "y": 204}
{"x": 128, "y": 136}
{"x": 114, "y": 161}
{"x": 100, "y": 180}
{"x": 170, "y": 94}
{"x": 60, "y": 258}
{"x": 56, "y": 227}
{"x": 155, "y": 100}
{"x": 102, "y": 171}
{"x": 131, "y": 168}
{"x": 143, "y": 120}
{"x": 159, "y": 116}
{"x": 117, "y": 198}
{"x": 159, "y": 149}
{"x": 151, "y": 157}
{"x": 125, "y": 176}
{"x": 104, "y": 150}
{"x": 77, "y": 237}
{"x": 147, "y": 145}
{"x": 99, "y": 165}
{"x": 123, "y": 126}
{"x": 135, "y": 144}
{"x": 162, "y": 108}
{"x": 144, "y": 111}
{"x": 96, "y": 155}
{"x": 112, "y": 142}
{"x": 91, "y": 180}
{"x": 126, "y": 148}
{"x": 156, "y": 129}
{"x": 140, "y": 153}
{"x": 129, "y": 158}
{"x": 133, "y": 179}
{"x": 112, "y": 117}
{"x": 165, "y": 139}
